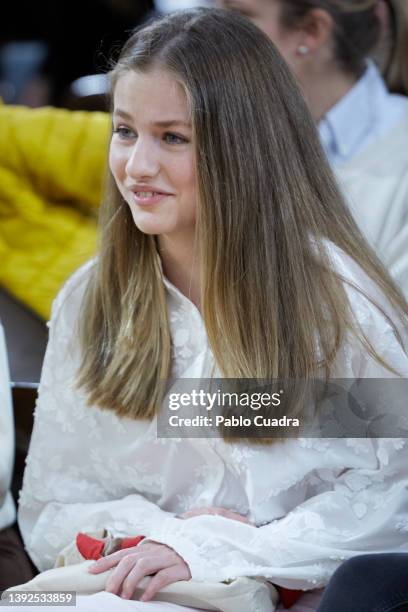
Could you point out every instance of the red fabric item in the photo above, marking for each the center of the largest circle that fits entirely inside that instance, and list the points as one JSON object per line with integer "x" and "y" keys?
{"x": 129, "y": 542}
{"x": 287, "y": 596}
{"x": 90, "y": 548}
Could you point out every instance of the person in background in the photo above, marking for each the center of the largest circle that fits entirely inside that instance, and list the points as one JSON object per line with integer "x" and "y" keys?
{"x": 14, "y": 564}
{"x": 362, "y": 115}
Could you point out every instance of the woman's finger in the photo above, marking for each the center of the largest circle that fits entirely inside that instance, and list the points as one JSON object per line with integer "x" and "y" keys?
{"x": 119, "y": 574}
{"x": 105, "y": 563}
{"x": 175, "y": 573}
{"x": 144, "y": 567}
{"x": 129, "y": 572}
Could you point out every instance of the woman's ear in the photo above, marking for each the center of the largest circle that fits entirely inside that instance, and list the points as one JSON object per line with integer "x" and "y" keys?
{"x": 315, "y": 33}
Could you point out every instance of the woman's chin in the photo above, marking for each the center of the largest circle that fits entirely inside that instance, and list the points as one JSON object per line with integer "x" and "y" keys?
{"x": 152, "y": 226}
{"x": 156, "y": 224}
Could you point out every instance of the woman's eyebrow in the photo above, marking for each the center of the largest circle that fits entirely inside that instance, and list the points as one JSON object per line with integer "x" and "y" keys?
{"x": 171, "y": 122}
{"x": 122, "y": 113}
{"x": 163, "y": 124}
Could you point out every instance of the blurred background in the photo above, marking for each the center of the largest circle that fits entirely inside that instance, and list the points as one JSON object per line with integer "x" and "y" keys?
{"x": 45, "y": 46}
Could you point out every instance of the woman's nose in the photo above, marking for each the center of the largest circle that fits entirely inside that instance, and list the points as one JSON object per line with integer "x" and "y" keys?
{"x": 143, "y": 160}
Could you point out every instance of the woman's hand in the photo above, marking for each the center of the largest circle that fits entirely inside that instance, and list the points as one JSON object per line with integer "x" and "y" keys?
{"x": 234, "y": 516}
{"x": 133, "y": 564}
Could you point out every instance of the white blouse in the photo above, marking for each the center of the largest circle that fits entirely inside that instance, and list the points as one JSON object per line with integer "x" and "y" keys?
{"x": 314, "y": 502}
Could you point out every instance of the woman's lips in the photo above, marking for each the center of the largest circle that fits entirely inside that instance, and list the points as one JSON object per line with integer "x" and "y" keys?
{"x": 148, "y": 198}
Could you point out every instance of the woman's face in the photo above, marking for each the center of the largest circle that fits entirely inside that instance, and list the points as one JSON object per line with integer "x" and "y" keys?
{"x": 265, "y": 14}
{"x": 151, "y": 153}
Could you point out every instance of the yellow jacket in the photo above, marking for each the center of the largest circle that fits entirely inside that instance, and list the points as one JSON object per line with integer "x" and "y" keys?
{"x": 52, "y": 165}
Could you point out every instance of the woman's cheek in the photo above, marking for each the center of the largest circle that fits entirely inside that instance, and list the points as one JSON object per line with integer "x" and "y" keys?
{"x": 117, "y": 162}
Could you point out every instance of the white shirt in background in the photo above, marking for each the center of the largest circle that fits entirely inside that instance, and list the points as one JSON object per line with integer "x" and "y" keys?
{"x": 375, "y": 184}
{"x": 366, "y": 113}
{"x": 365, "y": 137}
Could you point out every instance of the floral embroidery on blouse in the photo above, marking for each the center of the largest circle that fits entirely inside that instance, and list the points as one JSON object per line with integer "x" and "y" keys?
{"x": 311, "y": 502}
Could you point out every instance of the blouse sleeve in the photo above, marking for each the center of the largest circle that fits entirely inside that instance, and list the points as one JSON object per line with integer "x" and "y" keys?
{"x": 362, "y": 509}
{"x": 366, "y": 511}
{"x": 61, "y": 494}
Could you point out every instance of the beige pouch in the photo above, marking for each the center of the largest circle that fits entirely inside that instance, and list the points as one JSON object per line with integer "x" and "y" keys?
{"x": 241, "y": 595}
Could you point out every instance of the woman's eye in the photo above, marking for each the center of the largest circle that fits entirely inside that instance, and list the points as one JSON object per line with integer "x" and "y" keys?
{"x": 174, "y": 138}
{"x": 124, "y": 132}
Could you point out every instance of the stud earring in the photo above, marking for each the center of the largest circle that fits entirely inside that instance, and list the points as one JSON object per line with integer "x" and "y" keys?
{"x": 303, "y": 50}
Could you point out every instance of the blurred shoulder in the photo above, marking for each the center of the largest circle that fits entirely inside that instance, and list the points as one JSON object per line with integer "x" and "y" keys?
{"x": 386, "y": 156}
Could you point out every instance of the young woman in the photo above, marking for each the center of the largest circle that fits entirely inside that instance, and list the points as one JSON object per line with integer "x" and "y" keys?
{"x": 226, "y": 249}
{"x": 362, "y": 115}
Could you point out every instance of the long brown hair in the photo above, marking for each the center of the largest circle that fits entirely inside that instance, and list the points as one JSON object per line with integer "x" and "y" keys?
{"x": 357, "y": 31}
{"x": 268, "y": 205}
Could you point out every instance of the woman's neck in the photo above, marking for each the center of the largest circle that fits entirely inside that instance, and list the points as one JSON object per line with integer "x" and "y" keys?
{"x": 180, "y": 265}
{"x": 324, "y": 88}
